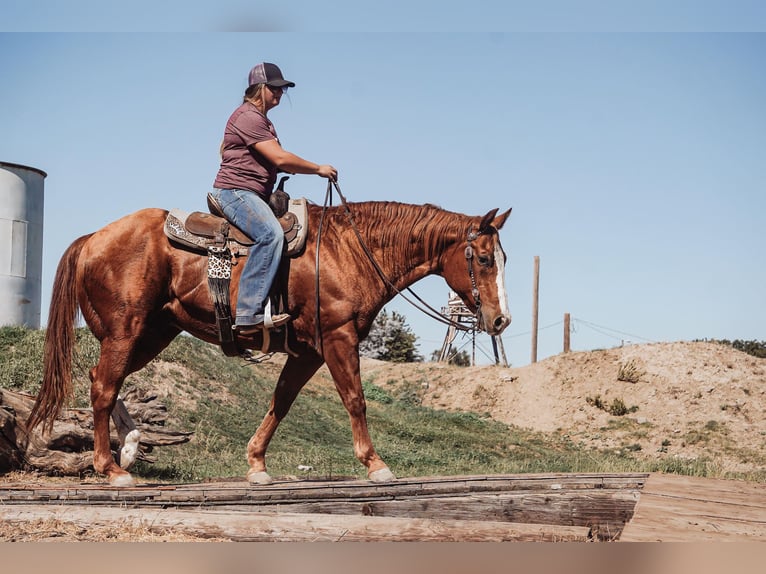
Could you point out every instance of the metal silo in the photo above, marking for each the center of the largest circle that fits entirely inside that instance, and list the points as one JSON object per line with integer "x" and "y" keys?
{"x": 21, "y": 244}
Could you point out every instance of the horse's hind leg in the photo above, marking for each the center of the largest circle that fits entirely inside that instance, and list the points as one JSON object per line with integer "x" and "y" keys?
{"x": 295, "y": 374}
{"x": 106, "y": 379}
{"x": 119, "y": 357}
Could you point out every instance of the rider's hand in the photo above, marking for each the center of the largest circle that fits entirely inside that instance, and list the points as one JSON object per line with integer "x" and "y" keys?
{"x": 328, "y": 171}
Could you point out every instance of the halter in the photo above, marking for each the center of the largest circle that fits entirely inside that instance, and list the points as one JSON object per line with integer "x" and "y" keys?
{"x": 423, "y": 306}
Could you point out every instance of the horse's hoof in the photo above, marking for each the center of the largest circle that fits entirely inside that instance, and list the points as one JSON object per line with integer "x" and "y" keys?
{"x": 259, "y": 477}
{"x": 382, "y": 475}
{"x": 121, "y": 480}
{"x": 130, "y": 449}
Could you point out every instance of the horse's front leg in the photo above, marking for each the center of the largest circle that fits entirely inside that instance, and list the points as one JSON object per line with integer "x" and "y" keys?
{"x": 295, "y": 374}
{"x": 342, "y": 358}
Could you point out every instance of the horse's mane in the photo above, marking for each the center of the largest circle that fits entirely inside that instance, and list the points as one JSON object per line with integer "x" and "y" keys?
{"x": 403, "y": 232}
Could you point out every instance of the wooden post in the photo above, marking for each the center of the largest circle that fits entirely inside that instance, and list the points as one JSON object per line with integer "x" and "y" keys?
{"x": 502, "y": 351}
{"x": 535, "y": 300}
{"x": 497, "y": 347}
{"x": 566, "y": 332}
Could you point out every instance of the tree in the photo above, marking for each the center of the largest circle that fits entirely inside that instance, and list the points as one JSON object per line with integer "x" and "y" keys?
{"x": 390, "y": 339}
{"x": 754, "y": 348}
{"x": 460, "y": 359}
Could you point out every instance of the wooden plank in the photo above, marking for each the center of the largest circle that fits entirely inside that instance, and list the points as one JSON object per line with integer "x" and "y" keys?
{"x": 293, "y": 527}
{"x": 730, "y": 491}
{"x": 416, "y": 484}
{"x": 562, "y": 507}
{"x": 681, "y": 508}
{"x": 291, "y": 491}
{"x": 604, "y": 510}
{"x": 605, "y": 513}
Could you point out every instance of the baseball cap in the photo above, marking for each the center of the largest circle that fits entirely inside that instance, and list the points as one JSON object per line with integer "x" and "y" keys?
{"x": 265, "y": 73}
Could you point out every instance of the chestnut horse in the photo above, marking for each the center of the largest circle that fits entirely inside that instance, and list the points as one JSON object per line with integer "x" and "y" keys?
{"x": 137, "y": 292}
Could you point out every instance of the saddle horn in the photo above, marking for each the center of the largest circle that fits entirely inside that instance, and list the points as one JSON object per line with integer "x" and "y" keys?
{"x": 280, "y": 200}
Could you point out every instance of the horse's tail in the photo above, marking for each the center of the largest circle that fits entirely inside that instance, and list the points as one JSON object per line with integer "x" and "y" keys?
{"x": 59, "y": 341}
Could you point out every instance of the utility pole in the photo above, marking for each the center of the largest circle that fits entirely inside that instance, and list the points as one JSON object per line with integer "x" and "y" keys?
{"x": 566, "y": 332}
{"x": 535, "y": 301}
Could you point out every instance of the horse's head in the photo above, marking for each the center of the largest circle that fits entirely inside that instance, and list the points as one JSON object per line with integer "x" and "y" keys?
{"x": 475, "y": 270}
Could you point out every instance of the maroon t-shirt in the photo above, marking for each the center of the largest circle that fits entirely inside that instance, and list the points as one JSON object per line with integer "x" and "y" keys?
{"x": 241, "y": 166}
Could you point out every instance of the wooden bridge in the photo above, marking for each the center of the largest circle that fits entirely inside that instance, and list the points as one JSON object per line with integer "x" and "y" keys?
{"x": 549, "y": 507}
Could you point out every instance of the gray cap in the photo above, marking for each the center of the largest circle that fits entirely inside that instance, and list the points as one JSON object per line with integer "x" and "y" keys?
{"x": 270, "y": 74}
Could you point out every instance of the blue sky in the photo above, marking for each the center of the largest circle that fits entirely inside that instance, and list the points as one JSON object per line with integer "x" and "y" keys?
{"x": 390, "y": 16}
{"x": 635, "y": 163}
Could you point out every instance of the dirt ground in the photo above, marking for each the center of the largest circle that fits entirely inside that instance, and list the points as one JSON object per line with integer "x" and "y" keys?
{"x": 684, "y": 399}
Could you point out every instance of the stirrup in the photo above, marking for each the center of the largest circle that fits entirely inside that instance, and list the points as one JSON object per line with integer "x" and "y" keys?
{"x": 248, "y": 356}
{"x": 269, "y": 322}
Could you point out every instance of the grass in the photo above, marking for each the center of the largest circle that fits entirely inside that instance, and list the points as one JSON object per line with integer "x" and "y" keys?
{"x": 223, "y": 400}
{"x": 629, "y": 372}
{"x": 616, "y": 408}
{"x": 21, "y": 351}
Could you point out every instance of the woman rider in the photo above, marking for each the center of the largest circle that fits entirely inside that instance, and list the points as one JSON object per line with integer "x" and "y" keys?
{"x": 251, "y": 156}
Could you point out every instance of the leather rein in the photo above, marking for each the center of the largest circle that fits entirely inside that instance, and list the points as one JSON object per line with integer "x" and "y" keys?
{"x": 421, "y": 305}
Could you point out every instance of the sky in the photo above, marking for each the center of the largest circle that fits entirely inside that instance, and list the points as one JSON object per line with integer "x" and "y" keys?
{"x": 635, "y": 163}
{"x": 390, "y": 16}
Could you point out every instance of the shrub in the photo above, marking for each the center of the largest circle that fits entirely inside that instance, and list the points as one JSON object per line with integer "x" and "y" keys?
{"x": 617, "y": 408}
{"x": 629, "y": 372}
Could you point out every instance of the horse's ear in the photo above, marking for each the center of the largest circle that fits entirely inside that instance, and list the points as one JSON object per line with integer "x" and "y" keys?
{"x": 486, "y": 221}
{"x": 499, "y": 221}
{"x": 493, "y": 220}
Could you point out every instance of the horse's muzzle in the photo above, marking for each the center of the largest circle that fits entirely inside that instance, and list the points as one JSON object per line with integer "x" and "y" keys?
{"x": 496, "y": 325}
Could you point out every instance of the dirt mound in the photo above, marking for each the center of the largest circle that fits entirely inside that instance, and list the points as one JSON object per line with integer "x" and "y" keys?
{"x": 690, "y": 400}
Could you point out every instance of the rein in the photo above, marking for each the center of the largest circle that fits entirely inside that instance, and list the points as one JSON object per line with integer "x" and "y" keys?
{"x": 421, "y": 305}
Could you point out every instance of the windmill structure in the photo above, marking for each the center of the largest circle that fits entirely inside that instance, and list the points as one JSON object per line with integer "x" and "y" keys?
{"x": 458, "y": 313}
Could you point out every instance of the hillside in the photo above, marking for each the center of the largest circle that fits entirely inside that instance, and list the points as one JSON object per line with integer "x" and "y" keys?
{"x": 691, "y": 408}
{"x": 700, "y": 404}
{"x": 688, "y": 400}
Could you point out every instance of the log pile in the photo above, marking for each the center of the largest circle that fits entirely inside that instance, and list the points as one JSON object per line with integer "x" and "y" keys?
{"x": 466, "y": 508}
{"x": 68, "y": 448}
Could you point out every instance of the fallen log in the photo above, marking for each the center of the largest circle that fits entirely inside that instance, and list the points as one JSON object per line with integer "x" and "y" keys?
{"x": 68, "y": 448}
{"x": 262, "y": 527}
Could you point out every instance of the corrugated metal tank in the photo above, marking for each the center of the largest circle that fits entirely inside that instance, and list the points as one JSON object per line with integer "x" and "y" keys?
{"x": 21, "y": 244}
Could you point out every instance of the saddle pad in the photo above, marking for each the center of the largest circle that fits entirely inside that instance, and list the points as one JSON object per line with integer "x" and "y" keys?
{"x": 294, "y": 225}
{"x": 175, "y": 230}
{"x": 297, "y": 218}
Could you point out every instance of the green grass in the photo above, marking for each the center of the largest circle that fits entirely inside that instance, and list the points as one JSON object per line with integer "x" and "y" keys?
{"x": 223, "y": 400}
{"x": 21, "y": 351}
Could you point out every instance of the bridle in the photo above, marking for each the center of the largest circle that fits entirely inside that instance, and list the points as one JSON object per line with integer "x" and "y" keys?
{"x": 472, "y": 236}
{"x": 421, "y": 305}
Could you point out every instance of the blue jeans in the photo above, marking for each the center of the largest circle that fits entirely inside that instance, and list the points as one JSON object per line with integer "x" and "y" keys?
{"x": 253, "y": 215}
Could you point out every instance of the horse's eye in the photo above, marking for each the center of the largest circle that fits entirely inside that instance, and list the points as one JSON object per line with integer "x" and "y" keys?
{"x": 485, "y": 260}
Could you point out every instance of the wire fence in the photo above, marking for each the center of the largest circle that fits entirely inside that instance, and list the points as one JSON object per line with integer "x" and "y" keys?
{"x": 576, "y": 325}
{"x": 608, "y": 331}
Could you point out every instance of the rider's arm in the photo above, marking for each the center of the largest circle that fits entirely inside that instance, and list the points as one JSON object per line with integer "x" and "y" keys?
{"x": 291, "y": 163}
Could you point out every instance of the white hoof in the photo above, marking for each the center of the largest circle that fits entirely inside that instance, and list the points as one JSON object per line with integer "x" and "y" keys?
{"x": 130, "y": 449}
{"x": 122, "y": 480}
{"x": 382, "y": 475}
{"x": 259, "y": 477}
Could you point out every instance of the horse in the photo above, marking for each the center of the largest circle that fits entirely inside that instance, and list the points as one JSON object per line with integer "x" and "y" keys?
{"x": 136, "y": 291}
